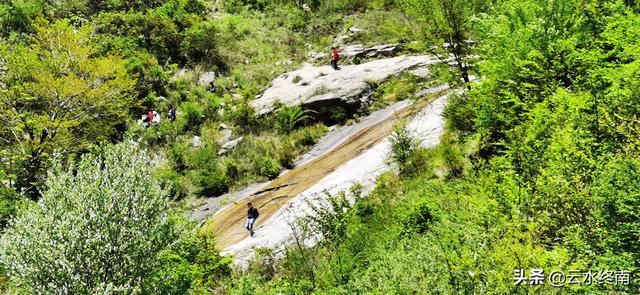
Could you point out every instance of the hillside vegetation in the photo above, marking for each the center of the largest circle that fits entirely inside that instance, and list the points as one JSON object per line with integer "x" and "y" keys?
{"x": 538, "y": 168}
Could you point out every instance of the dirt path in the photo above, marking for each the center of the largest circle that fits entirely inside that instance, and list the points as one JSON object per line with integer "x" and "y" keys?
{"x": 228, "y": 223}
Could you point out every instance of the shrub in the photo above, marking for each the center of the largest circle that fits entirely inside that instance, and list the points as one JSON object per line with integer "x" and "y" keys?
{"x": 459, "y": 113}
{"x": 419, "y": 162}
{"x": 9, "y": 202}
{"x": 104, "y": 208}
{"x": 200, "y": 41}
{"x": 308, "y": 135}
{"x": 176, "y": 154}
{"x": 207, "y": 173}
{"x": 417, "y": 220}
{"x": 288, "y": 118}
{"x": 192, "y": 115}
{"x": 403, "y": 146}
{"x": 241, "y": 113}
{"x": 190, "y": 266}
{"x": 269, "y": 167}
{"x": 175, "y": 181}
{"x": 232, "y": 168}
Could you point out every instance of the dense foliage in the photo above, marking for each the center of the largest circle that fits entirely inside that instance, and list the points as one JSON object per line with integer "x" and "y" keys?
{"x": 102, "y": 226}
{"x": 538, "y": 167}
{"x": 538, "y": 170}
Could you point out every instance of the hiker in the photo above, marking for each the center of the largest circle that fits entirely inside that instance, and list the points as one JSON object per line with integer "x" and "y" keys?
{"x": 145, "y": 121}
{"x": 252, "y": 215}
{"x": 335, "y": 57}
{"x": 156, "y": 117}
{"x": 150, "y": 117}
{"x": 212, "y": 87}
{"x": 172, "y": 114}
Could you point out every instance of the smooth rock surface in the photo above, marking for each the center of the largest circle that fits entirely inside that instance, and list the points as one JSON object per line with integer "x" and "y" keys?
{"x": 353, "y": 51}
{"x": 317, "y": 86}
{"x": 277, "y": 232}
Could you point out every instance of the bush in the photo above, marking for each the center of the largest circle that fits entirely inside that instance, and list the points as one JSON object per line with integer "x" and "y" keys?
{"x": 403, "y": 146}
{"x": 192, "y": 265}
{"x": 419, "y": 162}
{"x": 175, "y": 181}
{"x": 459, "y": 113}
{"x": 241, "y": 113}
{"x": 104, "y": 208}
{"x": 269, "y": 167}
{"x": 192, "y": 115}
{"x": 18, "y": 16}
{"x": 9, "y": 203}
{"x": 418, "y": 219}
{"x": 207, "y": 173}
{"x": 200, "y": 41}
{"x": 309, "y": 135}
{"x": 288, "y": 118}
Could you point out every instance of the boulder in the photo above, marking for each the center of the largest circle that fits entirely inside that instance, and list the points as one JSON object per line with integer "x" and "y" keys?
{"x": 224, "y": 137}
{"x": 206, "y": 78}
{"x": 355, "y": 30}
{"x": 420, "y": 72}
{"x": 315, "y": 57}
{"x": 353, "y": 51}
{"x": 341, "y": 40}
{"x": 197, "y": 141}
{"x": 179, "y": 74}
{"x": 316, "y": 87}
{"x": 229, "y": 145}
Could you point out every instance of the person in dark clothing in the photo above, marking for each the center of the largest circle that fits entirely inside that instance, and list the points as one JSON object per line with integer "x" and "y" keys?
{"x": 335, "y": 57}
{"x": 172, "y": 114}
{"x": 212, "y": 87}
{"x": 252, "y": 215}
{"x": 146, "y": 121}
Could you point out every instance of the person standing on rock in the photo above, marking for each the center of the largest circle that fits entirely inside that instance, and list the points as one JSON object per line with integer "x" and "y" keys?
{"x": 335, "y": 57}
{"x": 252, "y": 215}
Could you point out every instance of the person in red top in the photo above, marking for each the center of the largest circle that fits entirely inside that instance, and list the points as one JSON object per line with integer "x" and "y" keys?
{"x": 335, "y": 57}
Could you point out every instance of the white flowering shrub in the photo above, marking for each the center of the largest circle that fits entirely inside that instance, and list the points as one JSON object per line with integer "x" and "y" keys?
{"x": 96, "y": 230}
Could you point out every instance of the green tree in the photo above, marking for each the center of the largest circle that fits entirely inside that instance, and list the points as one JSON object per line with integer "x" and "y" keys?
{"x": 17, "y": 16}
{"x": 446, "y": 27}
{"x": 57, "y": 98}
{"x": 96, "y": 230}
